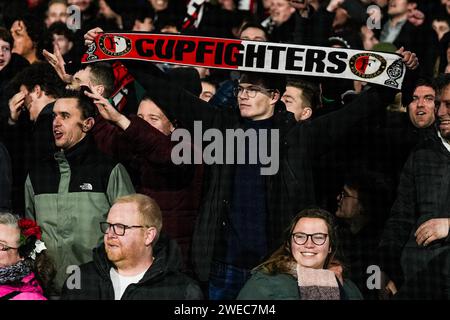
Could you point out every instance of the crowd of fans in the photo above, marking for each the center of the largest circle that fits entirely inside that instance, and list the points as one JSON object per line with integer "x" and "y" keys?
{"x": 92, "y": 205}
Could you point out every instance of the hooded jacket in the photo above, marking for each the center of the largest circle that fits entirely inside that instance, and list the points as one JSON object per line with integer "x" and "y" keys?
{"x": 162, "y": 281}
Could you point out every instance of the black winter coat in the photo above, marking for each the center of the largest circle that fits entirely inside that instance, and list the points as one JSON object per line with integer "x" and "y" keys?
{"x": 162, "y": 281}
{"x": 288, "y": 191}
{"x": 423, "y": 194}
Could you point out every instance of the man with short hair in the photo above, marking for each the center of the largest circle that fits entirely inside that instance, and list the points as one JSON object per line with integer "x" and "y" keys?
{"x": 39, "y": 86}
{"x": 421, "y": 109}
{"x": 241, "y": 219}
{"x": 301, "y": 98}
{"x": 417, "y": 231}
{"x": 279, "y": 24}
{"x": 36, "y": 88}
{"x": 111, "y": 81}
{"x": 70, "y": 192}
{"x": 209, "y": 89}
{"x": 244, "y": 212}
{"x": 253, "y": 31}
{"x": 99, "y": 75}
{"x": 56, "y": 12}
{"x": 134, "y": 262}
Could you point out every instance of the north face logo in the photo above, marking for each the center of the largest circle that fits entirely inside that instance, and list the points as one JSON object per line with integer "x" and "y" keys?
{"x": 86, "y": 186}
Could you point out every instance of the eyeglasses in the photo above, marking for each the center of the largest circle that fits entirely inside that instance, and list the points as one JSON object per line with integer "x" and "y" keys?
{"x": 4, "y": 247}
{"x": 301, "y": 238}
{"x": 251, "y": 91}
{"x": 344, "y": 194}
{"x": 118, "y": 228}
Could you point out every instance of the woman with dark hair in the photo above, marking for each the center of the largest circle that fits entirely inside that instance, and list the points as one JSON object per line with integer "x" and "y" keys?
{"x": 299, "y": 268}
{"x": 26, "y": 271}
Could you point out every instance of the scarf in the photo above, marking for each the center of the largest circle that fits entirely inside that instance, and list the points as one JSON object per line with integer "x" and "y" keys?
{"x": 316, "y": 284}
{"x": 15, "y": 273}
{"x": 386, "y": 69}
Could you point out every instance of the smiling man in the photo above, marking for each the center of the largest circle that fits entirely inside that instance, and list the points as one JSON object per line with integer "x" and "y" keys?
{"x": 443, "y": 114}
{"x": 421, "y": 110}
{"x": 417, "y": 231}
{"x": 70, "y": 201}
{"x": 134, "y": 263}
{"x": 240, "y": 218}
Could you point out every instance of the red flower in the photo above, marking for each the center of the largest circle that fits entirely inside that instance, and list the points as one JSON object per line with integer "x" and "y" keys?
{"x": 29, "y": 227}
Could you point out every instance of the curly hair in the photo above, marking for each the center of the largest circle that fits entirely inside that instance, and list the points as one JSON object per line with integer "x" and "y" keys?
{"x": 282, "y": 259}
{"x": 42, "y": 74}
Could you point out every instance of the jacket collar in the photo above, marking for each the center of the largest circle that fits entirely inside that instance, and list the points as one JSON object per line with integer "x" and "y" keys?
{"x": 167, "y": 259}
{"x": 79, "y": 151}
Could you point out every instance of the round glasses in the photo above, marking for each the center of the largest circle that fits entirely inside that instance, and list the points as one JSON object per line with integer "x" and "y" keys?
{"x": 251, "y": 91}
{"x": 118, "y": 228}
{"x": 301, "y": 238}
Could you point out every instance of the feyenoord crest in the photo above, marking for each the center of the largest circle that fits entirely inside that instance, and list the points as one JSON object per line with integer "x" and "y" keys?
{"x": 395, "y": 71}
{"x": 367, "y": 65}
{"x": 115, "y": 46}
{"x": 255, "y": 56}
{"x": 90, "y": 51}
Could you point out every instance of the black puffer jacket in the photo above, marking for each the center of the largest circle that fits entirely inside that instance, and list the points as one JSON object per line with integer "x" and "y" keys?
{"x": 162, "y": 281}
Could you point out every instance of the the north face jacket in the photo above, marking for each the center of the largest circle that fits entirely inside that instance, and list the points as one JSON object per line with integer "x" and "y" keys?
{"x": 162, "y": 281}
{"x": 68, "y": 196}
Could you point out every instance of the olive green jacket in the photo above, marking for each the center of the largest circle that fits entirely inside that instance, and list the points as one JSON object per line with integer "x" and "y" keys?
{"x": 283, "y": 286}
{"x": 68, "y": 196}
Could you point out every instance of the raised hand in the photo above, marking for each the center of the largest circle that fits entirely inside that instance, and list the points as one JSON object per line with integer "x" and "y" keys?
{"x": 56, "y": 60}
{"x": 107, "y": 111}
{"x": 409, "y": 58}
{"x": 91, "y": 35}
{"x": 16, "y": 105}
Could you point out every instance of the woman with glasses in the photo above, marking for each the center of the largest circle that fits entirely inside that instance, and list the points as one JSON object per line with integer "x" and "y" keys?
{"x": 26, "y": 271}
{"x": 299, "y": 268}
